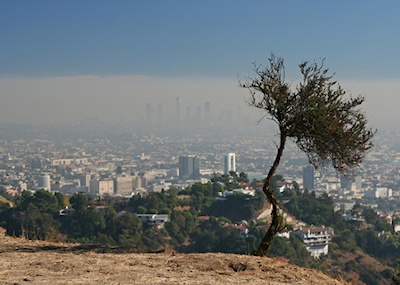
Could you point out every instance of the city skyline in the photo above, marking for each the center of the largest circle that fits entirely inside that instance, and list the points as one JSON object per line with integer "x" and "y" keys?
{"x": 63, "y": 62}
{"x": 195, "y": 115}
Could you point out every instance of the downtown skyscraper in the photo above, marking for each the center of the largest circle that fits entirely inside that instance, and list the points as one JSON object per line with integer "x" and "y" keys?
{"x": 189, "y": 167}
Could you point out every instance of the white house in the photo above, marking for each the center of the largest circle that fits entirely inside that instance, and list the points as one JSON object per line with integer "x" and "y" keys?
{"x": 154, "y": 220}
{"x": 316, "y": 239}
{"x": 249, "y": 192}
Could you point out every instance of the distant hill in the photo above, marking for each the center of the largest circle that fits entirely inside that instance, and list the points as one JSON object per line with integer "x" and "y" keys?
{"x": 38, "y": 262}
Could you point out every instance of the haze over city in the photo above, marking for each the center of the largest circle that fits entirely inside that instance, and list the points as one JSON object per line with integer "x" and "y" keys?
{"x": 61, "y": 62}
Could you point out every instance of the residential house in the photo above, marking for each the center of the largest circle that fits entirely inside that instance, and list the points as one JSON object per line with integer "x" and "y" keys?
{"x": 316, "y": 239}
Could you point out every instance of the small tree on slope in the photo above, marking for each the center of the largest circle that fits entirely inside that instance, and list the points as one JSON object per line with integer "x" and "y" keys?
{"x": 315, "y": 115}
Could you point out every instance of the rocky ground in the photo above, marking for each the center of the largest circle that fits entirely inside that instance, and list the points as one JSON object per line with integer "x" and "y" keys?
{"x": 35, "y": 262}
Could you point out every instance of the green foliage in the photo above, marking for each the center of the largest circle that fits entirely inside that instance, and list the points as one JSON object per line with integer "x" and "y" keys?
{"x": 229, "y": 181}
{"x": 24, "y": 200}
{"x": 141, "y": 210}
{"x": 293, "y": 249}
{"x": 153, "y": 202}
{"x": 351, "y": 266}
{"x": 128, "y": 230}
{"x": 38, "y": 225}
{"x": 236, "y": 207}
{"x": 371, "y": 217}
{"x": 316, "y": 116}
{"x": 346, "y": 240}
{"x": 34, "y": 215}
{"x": 370, "y": 277}
{"x": 213, "y": 236}
{"x": 61, "y": 200}
{"x": 204, "y": 189}
{"x": 317, "y": 211}
{"x": 79, "y": 202}
{"x": 181, "y": 225}
{"x": 153, "y": 239}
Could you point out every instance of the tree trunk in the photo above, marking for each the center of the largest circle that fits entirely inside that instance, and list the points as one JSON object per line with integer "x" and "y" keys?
{"x": 276, "y": 224}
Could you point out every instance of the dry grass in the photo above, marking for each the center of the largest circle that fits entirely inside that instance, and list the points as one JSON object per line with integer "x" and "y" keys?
{"x": 34, "y": 262}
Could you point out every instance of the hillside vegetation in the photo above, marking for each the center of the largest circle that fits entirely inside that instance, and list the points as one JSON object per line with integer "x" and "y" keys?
{"x": 201, "y": 221}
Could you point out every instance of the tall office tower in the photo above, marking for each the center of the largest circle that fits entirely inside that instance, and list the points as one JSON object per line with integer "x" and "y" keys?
{"x": 189, "y": 167}
{"x": 229, "y": 162}
{"x": 207, "y": 111}
{"x": 188, "y": 115}
{"x": 140, "y": 182}
{"x": 160, "y": 113}
{"x": 177, "y": 111}
{"x": 149, "y": 113}
{"x": 308, "y": 177}
{"x": 44, "y": 182}
{"x": 85, "y": 179}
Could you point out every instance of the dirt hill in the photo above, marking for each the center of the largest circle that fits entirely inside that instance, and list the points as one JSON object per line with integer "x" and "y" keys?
{"x": 38, "y": 262}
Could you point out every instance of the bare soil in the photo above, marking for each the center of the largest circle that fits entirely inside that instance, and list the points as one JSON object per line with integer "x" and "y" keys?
{"x": 37, "y": 262}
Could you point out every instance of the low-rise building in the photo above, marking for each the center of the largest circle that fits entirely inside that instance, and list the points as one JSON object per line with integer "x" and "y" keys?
{"x": 249, "y": 192}
{"x": 157, "y": 221}
{"x": 315, "y": 239}
{"x": 69, "y": 161}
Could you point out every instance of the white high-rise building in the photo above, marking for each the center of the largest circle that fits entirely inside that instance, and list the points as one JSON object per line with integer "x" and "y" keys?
{"x": 44, "y": 182}
{"x": 229, "y": 162}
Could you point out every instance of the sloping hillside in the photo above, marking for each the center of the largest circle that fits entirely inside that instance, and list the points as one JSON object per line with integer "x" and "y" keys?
{"x": 358, "y": 268}
{"x": 34, "y": 262}
{"x": 4, "y": 201}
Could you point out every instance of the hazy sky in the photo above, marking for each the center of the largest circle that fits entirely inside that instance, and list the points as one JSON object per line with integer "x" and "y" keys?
{"x": 66, "y": 60}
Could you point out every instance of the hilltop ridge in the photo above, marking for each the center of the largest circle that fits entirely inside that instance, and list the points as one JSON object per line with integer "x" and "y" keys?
{"x": 41, "y": 262}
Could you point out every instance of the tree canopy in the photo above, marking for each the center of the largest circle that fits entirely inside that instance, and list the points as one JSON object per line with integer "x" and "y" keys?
{"x": 316, "y": 115}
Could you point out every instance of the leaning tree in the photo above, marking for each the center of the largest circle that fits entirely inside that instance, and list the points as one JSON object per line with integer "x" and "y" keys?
{"x": 316, "y": 115}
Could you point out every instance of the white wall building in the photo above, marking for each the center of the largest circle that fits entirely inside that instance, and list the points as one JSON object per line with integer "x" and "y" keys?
{"x": 249, "y": 192}
{"x": 315, "y": 239}
{"x": 154, "y": 220}
{"x": 229, "y": 162}
{"x": 101, "y": 187}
